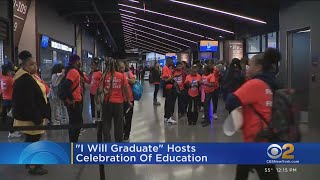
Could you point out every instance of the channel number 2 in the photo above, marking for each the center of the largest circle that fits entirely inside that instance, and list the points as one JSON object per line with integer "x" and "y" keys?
{"x": 275, "y": 151}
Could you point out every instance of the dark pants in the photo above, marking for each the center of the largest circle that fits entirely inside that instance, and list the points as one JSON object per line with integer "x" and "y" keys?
{"x": 209, "y": 97}
{"x": 182, "y": 101}
{"x": 128, "y": 119}
{"x": 6, "y": 107}
{"x": 168, "y": 105}
{"x": 32, "y": 138}
{"x": 156, "y": 90}
{"x": 75, "y": 119}
{"x": 112, "y": 111}
{"x": 262, "y": 170}
{"x": 93, "y": 107}
{"x": 215, "y": 100}
{"x": 193, "y": 103}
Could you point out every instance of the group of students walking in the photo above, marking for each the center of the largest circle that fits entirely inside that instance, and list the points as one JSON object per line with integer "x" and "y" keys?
{"x": 188, "y": 86}
{"x": 30, "y": 98}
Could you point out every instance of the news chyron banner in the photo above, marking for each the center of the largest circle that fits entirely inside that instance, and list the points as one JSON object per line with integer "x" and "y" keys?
{"x": 46, "y": 152}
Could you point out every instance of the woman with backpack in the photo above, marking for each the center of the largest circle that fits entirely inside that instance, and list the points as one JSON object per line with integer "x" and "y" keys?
{"x": 59, "y": 111}
{"x": 254, "y": 99}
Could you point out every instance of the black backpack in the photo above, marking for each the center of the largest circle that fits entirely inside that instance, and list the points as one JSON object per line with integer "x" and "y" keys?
{"x": 61, "y": 88}
{"x": 284, "y": 124}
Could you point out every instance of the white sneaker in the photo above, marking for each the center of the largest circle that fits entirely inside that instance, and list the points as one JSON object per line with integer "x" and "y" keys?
{"x": 14, "y": 135}
{"x": 171, "y": 121}
{"x": 203, "y": 116}
{"x": 215, "y": 116}
{"x": 165, "y": 120}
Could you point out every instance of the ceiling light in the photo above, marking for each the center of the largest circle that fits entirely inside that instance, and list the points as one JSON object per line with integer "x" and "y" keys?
{"x": 131, "y": 23}
{"x": 149, "y": 49}
{"x": 220, "y": 36}
{"x": 127, "y": 24}
{"x": 134, "y": 1}
{"x": 153, "y": 44}
{"x": 156, "y": 36}
{"x": 178, "y": 18}
{"x": 170, "y": 27}
{"x": 127, "y": 11}
{"x": 219, "y": 11}
{"x": 129, "y": 34}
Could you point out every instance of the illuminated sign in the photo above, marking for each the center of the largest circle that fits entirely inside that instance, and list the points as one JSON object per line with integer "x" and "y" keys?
{"x": 60, "y": 46}
{"x": 90, "y": 55}
{"x": 209, "y": 46}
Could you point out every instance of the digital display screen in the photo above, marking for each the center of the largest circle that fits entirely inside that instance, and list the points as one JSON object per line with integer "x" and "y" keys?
{"x": 44, "y": 41}
{"x": 209, "y": 46}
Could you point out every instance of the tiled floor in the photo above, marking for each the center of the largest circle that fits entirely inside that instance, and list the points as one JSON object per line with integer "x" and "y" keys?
{"x": 148, "y": 126}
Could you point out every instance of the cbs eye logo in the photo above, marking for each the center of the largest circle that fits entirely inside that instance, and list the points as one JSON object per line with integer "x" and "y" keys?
{"x": 44, "y": 152}
{"x": 275, "y": 151}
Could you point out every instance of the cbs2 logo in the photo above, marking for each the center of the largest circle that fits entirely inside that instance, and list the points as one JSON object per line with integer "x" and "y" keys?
{"x": 275, "y": 151}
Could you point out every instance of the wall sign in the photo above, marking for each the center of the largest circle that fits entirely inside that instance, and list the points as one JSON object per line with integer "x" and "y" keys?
{"x": 20, "y": 11}
{"x": 60, "y": 46}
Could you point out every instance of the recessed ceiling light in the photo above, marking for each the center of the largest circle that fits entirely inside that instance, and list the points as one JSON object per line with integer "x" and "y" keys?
{"x": 178, "y": 18}
{"x": 131, "y": 23}
{"x": 156, "y": 36}
{"x": 170, "y": 27}
{"x": 219, "y": 11}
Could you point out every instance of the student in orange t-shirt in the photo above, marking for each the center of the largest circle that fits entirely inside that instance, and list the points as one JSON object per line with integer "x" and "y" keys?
{"x": 253, "y": 97}
{"x": 94, "y": 78}
{"x": 127, "y": 110}
{"x": 192, "y": 82}
{"x": 7, "y": 89}
{"x": 178, "y": 77}
{"x": 74, "y": 102}
{"x": 116, "y": 86}
{"x": 167, "y": 76}
{"x": 208, "y": 81}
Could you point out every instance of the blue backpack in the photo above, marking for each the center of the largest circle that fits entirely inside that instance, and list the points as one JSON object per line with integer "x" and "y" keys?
{"x": 137, "y": 91}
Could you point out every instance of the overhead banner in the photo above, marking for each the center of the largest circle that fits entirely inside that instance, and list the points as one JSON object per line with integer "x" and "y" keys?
{"x": 46, "y": 152}
{"x": 20, "y": 12}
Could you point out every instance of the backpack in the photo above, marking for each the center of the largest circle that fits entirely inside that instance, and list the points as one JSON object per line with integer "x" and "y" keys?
{"x": 61, "y": 87}
{"x": 137, "y": 90}
{"x": 284, "y": 124}
{"x": 56, "y": 83}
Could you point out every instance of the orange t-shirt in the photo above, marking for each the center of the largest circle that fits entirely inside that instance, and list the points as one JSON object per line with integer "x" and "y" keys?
{"x": 95, "y": 79}
{"x": 258, "y": 94}
{"x": 119, "y": 81}
{"x": 74, "y": 76}
{"x": 129, "y": 86}
{"x": 217, "y": 75}
{"x": 179, "y": 79}
{"x": 167, "y": 73}
{"x": 193, "y": 81}
{"x": 208, "y": 79}
{"x": 7, "y": 87}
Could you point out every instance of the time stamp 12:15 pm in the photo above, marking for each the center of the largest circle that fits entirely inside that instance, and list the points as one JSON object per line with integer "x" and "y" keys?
{"x": 281, "y": 170}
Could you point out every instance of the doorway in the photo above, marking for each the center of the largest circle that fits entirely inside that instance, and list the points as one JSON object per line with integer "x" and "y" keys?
{"x": 299, "y": 67}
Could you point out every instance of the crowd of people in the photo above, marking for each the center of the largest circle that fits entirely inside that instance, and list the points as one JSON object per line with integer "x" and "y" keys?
{"x": 31, "y": 102}
{"x": 196, "y": 88}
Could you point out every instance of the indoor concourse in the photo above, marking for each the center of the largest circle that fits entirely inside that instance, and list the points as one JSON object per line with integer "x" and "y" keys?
{"x": 148, "y": 126}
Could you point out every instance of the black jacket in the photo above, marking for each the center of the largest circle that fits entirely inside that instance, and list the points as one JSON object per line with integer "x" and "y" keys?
{"x": 155, "y": 75}
{"x": 28, "y": 103}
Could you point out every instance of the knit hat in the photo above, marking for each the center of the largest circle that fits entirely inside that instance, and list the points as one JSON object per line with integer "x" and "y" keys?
{"x": 73, "y": 59}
